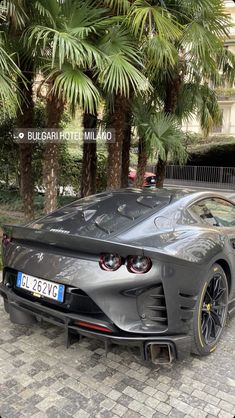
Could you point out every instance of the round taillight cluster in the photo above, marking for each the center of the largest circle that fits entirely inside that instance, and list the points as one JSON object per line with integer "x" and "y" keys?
{"x": 110, "y": 262}
{"x": 137, "y": 264}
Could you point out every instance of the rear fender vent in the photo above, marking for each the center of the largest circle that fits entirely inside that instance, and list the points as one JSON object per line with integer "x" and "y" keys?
{"x": 187, "y": 304}
{"x": 152, "y": 307}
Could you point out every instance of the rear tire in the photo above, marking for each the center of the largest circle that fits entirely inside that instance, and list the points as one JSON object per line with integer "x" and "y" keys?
{"x": 210, "y": 313}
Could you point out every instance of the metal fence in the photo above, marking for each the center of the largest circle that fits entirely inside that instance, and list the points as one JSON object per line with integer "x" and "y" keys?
{"x": 201, "y": 176}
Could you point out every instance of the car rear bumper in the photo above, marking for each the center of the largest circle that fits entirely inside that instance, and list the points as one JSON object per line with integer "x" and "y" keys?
{"x": 25, "y": 312}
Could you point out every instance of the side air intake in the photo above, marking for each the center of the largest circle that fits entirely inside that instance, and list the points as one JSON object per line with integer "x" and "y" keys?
{"x": 153, "y": 309}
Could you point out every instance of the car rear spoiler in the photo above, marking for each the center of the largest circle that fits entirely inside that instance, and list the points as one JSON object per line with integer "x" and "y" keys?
{"x": 74, "y": 243}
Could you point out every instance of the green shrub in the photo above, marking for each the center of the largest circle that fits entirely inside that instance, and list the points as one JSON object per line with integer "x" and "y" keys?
{"x": 218, "y": 155}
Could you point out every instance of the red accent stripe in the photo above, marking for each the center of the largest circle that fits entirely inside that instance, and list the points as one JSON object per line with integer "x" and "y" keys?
{"x": 93, "y": 326}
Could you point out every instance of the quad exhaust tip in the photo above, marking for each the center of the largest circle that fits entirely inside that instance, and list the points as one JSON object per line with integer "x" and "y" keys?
{"x": 160, "y": 353}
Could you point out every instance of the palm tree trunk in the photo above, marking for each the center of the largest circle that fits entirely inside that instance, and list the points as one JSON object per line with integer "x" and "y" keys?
{"x": 170, "y": 105}
{"x": 172, "y": 93}
{"x": 142, "y": 162}
{"x": 55, "y": 108}
{"x": 161, "y": 172}
{"x": 89, "y": 162}
{"x": 117, "y": 119}
{"x": 25, "y": 119}
{"x": 26, "y": 181}
{"x": 126, "y": 150}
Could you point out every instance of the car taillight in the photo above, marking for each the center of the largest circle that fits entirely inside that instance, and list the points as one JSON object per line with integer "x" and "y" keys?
{"x": 6, "y": 239}
{"x": 138, "y": 264}
{"x": 110, "y": 262}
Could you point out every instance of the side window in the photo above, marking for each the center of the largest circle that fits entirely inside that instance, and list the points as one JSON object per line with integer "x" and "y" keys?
{"x": 215, "y": 211}
{"x": 222, "y": 211}
{"x": 202, "y": 212}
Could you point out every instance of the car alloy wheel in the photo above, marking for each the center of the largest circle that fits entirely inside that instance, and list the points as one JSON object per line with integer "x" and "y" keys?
{"x": 213, "y": 311}
{"x": 210, "y": 312}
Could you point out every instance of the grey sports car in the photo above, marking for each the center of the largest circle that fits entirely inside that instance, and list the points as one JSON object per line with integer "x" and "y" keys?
{"x": 148, "y": 268}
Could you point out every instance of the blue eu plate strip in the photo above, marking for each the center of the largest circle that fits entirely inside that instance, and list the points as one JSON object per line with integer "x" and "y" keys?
{"x": 60, "y": 297}
{"x": 18, "y": 280}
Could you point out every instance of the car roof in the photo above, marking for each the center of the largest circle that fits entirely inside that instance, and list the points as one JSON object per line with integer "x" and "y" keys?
{"x": 196, "y": 194}
{"x": 112, "y": 212}
{"x": 174, "y": 193}
{"x": 105, "y": 214}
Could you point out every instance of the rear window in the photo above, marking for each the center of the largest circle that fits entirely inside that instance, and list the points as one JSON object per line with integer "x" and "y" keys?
{"x": 105, "y": 214}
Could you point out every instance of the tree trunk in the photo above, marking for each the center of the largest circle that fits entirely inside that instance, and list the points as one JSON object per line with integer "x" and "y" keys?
{"x": 26, "y": 181}
{"x": 142, "y": 162}
{"x": 126, "y": 150}
{"x": 172, "y": 92}
{"x": 117, "y": 119}
{"x": 170, "y": 105}
{"x": 55, "y": 108}
{"x": 25, "y": 120}
{"x": 89, "y": 161}
{"x": 160, "y": 172}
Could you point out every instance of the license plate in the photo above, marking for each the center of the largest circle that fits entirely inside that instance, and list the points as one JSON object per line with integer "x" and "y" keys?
{"x": 40, "y": 287}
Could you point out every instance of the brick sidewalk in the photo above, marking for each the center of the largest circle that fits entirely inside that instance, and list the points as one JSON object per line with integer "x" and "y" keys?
{"x": 40, "y": 378}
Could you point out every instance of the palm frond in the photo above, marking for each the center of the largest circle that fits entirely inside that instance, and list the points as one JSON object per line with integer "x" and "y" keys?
{"x": 120, "y": 69}
{"x": 9, "y": 102}
{"x": 9, "y": 76}
{"x": 83, "y": 17}
{"x": 118, "y": 6}
{"x": 201, "y": 46}
{"x": 212, "y": 15}
{"x": 188, "y": 101}
{"x": 64, "y": 46}
{"x": 49, "y": 10}
{"x": 75, "y": 88}
{"x": 120, "y": 76}
{"x": 160, "y": 53}
{"x": 209, "y": 111}
{"x": 118, "y": 39}
{"x": 150, "y": 19}
{"x": 13, "y": 10}
{"x": 226, "y": 67}
{"x": 3, "y": 10}
{"x": 161, "y": 132}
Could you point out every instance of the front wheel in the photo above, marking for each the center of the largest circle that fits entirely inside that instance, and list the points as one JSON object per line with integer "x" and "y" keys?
{"x": 210, "y": 313}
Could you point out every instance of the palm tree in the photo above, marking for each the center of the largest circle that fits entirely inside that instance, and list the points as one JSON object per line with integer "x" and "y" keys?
{"x": 63, "y": 41}
{"x": 16, "y": 15}
{"x": 159, "y": 135}
{"x": 188, "y": 56}
{"x": 89, "y": 163}
{"x": 25, "y": 120}
{"x": 136, "y": 25}
{"x": 111, "y": 61}
{"x": 126, "y": 146}
{"x": 120, "y": 77}
{"x": 9, "y": 72}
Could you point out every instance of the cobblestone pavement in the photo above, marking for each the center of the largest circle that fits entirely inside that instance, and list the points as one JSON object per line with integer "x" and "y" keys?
{"x": 40, "y": 378}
